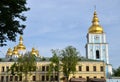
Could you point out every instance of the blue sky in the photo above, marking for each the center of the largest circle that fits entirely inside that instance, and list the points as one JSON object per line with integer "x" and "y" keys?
{"x": 56, "y": 24}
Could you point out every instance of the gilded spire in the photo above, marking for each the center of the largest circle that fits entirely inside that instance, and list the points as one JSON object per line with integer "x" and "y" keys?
{"x": 95, "y": 20}
{"x": 95, "y": 28}
{"x": 21, "y": 38}
{"x": 21, "y": 46}
{"x": 9, "y": 52}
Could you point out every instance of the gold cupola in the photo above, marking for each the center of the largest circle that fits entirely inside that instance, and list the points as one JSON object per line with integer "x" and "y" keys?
{"x": 9, "y": 52}
{"x": 21, "y": 46}
{"x": 95, "y": 27}
{"x": 15, "y": 51}
{"x": 34, "y": 52}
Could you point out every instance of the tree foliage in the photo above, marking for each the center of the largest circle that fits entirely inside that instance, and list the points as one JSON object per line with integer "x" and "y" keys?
{"x": 116, "y": 72}
{"x": 69, "y": 59}
{"x": 55, "y": 63}
{"x": 11, "y": 13}
{"x": 55, "y": 59}
{"x": 24, "y": 65}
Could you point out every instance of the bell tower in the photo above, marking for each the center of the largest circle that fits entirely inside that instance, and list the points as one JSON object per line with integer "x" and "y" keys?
{"x": 96, "y": 47}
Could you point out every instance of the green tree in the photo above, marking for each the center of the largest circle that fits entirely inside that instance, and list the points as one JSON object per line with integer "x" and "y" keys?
{"x": 55, "y": 64}
{"x": 69, "y": 59}
{"x": 11, "y": 14}
{"x": 24, "y": 65}
{"x": 116, "y": 72}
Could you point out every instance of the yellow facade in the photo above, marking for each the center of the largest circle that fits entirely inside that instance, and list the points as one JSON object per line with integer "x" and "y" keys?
{"x": 41, "y": 74}
{"x": 91, "y": 73}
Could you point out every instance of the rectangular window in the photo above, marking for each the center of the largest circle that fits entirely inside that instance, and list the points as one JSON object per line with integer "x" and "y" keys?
{"x": 3, "y": 69}
{"x": 6, "y": 78}
{"x": 95, "y": 77}
{"x": 7, "y": 68}
{"x": 43, "y": 68}
{"x": 87, "y": 68}
{"x": 43, "y": 78}
{"x": 102, "y": 77}
{"x": 101, "y": 68}
{"x": 73, "y": 76}
{"x": 47, "y": 68}
{"x": 80, "y": 68}
{"x": 47, "y": 78}
{"x": 20, "y": 78}
{"x": 34, "y": 78}
{"x": 16, "y": 78}
{"x": 56, "y": 78}
{"x": 11, "y": 78}
{"x": 94, "y": 68}
{"x": 51, "y": 78}
{"x": 2, "y": 78}
{"x": 80, "y": 76}
{"x": 87, "y": 77}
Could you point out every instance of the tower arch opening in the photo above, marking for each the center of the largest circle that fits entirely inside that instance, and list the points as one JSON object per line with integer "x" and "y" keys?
{"x": 97, "y": 54}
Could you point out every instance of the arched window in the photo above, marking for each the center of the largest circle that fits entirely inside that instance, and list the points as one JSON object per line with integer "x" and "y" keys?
{"x": 97, "y": 54}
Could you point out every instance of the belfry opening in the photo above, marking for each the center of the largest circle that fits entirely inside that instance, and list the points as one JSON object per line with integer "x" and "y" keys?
{"x": 97, "y": 54}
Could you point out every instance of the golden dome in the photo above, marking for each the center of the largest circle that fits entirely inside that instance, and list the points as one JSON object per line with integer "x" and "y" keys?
{"x": 21, "y": 46}
{"x": 15, "y": 51}
{"x": 37, "y": 52}
{"x": 95, "y": 28}
{"x": 9, "y": 52}
{"x": 34, "y": 52}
